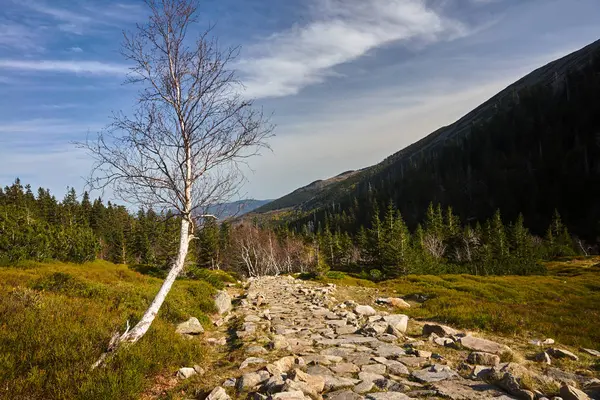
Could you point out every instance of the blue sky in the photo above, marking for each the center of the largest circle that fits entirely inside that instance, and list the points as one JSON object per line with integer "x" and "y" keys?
{"x": 349, "y": 82}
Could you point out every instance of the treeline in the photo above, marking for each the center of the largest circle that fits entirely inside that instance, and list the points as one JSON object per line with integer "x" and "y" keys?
{"x": 39, "y": 227}
{"x": 386, "y": 248}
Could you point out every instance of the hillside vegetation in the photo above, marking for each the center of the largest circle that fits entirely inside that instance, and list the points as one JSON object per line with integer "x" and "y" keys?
{"x": 563, "y": 305}
{"x": 530, "y": 149}
{"x": 57, "y": 318}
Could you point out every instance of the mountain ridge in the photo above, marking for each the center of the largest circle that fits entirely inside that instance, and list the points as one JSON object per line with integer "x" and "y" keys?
{"x": 515, "y": 107}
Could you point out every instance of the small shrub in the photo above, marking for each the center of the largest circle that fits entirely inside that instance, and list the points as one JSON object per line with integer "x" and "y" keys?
{"x": 375, "y": 275}
{"x": 337, "y": 275}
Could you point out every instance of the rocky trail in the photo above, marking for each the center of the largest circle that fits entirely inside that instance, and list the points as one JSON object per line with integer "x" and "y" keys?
{"x": 293, "y": 340}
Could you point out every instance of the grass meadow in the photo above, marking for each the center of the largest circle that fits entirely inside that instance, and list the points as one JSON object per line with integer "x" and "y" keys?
{"x": 563, "y": 305}
{"x": 56, "y": 320}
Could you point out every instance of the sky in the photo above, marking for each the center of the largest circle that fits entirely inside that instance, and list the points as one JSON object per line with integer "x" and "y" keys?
{"x": 348, "y": 82}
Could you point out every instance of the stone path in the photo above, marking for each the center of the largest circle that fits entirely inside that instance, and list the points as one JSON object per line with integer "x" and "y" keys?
{"x": 301, "y": 343}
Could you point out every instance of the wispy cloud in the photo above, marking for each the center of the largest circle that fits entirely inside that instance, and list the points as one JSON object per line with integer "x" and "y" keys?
{"x": 340, "y": 31}
{"x": 58, "y": 66}
{"x": 18, "y": 36}
{"x": 84, "y": 16}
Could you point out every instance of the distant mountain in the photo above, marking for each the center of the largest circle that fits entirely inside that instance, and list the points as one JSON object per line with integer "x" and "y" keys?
{"x": 236, "y": 208}
{"x": 533, "y": 147}
{"x": 307, "y": 193}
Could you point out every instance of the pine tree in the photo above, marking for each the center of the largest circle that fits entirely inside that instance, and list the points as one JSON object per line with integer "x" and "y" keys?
{"x": 208, "y": 245}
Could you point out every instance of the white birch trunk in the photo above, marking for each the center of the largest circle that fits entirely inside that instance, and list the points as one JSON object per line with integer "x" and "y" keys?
{"x": 143, "y": 325}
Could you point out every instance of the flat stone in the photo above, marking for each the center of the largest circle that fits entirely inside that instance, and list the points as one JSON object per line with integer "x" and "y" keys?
{"x": 316, "y": 382}
{"x": 370, "y": 377}
{"x": 282, "y": 365}
{"x": 364, "y": 387}
{"x": 374, "y": 369}
{"x": 336, "y": 351}
{"x": 319, "y": 370}
{"x": 336, "y": 383}
{"x": 414, "y": 362}
{"x": 481, "y": 358}
{"x": 374, "y": 328}
{"x": 190, "y": 327}
{"x": 344, "y": 395}
{"x": 251, "y": 361}
{"x": 482, "y": 345}
{"x": 218, "y": 393}
{"x": 435, "y": 373}
{"x": 185, "y": 373}
{"x": 423, "y": 353}
{"x": 398, "y": 302}
{"x": 337, "y": 322}
{"x": 389, "y": 351}
{"x": 465, "y": 390}
{"x": 252, "y": 318}
{"x": 387, "y": 338}
{"x": 571, "y": 393}
{"x": 438, "y": 329}
{"x": 279, "y": 342}
{"x": 345, "y": 368}
{"x": 591, "y": 352}
{"x": 256, "y": 350}
{"x": 388, "y": 396}
{"x": 295, "y": 395}
{"x": 365, "y": 310}
{"x": 397, "y": 368}
{"x": 344, "y": 330}
{"x": 293, "y": 386}
{"x": 562, "y": 353}
{"x": 252, "y": 379}
{"x": 359, "y": 359}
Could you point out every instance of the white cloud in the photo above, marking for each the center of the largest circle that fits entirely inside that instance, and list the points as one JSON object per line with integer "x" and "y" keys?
{"x": 340, "y": 31}
{"x": 76, "y": 49}
{"x": 80, "y": 67}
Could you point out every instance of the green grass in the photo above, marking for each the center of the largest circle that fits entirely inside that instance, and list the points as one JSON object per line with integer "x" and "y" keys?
{"x": 563, "y": 305}
{"x": 56, "y": 320}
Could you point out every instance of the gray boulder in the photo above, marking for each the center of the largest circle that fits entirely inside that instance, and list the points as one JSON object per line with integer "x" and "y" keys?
{"x": 190, "y": 327}
{"x": 435, "y": 373}
{"x": 561, "y": 353}
{"x": 398, "y": 322}
{"x": 438, "y": 329}
{"x": 570, "y": 393}
{"x": 218, "y": 393}
{"x": 482, "y": 345}
{"x": 185, "y": 373}
{"x": 388, "y": 396}
{"x": 480, "y": 358}
{"x": 222, "y": 302}
{"x": 365, "y": 310}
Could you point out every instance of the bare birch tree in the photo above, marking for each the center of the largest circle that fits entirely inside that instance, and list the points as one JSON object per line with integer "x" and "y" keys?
{"x": 182, "y": 148}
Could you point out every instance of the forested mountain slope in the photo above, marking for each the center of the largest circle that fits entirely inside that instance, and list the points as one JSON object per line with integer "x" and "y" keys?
{"x": 532, "y": 148}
